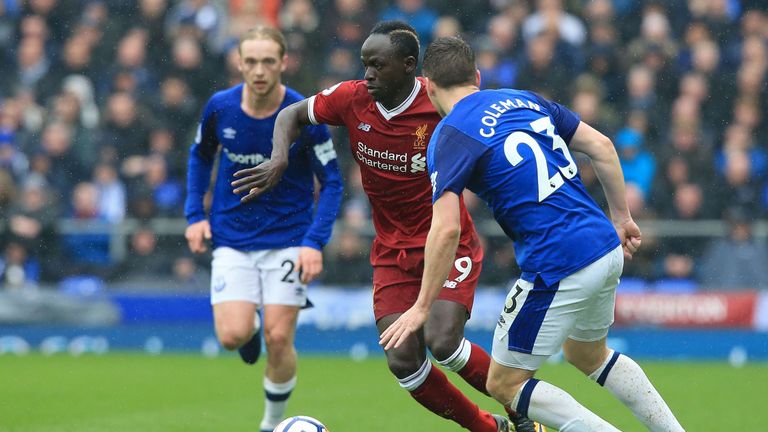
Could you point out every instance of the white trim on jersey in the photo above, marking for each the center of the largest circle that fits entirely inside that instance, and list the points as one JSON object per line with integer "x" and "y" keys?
{"x": 389, "y": 114}
{"x": 311, "y": 110}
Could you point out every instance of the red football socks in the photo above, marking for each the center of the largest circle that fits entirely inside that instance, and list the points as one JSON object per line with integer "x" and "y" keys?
{"x": 438, "y": 395}
{"x": 475, "y": 372}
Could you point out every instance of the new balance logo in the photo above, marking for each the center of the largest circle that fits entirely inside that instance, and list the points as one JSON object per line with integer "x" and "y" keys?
{"x": 418, "y": 163}
{"x": 364, "y": 127}
{"x": 229, "y": 133}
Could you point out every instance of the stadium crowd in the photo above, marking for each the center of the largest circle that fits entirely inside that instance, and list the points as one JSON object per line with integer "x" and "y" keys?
{"x": 99, "y": 102}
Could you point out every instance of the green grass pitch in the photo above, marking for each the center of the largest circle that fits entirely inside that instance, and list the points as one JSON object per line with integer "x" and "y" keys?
{"x": 137, "y": 392}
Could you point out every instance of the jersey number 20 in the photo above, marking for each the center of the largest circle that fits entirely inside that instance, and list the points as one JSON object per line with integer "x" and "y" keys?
{"x": 547, "y": 184}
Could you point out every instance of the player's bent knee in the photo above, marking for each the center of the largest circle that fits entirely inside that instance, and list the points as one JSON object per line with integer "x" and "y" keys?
{"x": 501, "y": 390}
{"x": 232, "y": 341}
{"x": 444, "y": 344}
{"x": 401, "y": 367}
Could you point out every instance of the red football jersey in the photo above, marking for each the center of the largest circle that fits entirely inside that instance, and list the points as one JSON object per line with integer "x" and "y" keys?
{"x": 391, "y": 148}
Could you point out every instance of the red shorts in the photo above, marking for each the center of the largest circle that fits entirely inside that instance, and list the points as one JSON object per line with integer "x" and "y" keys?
{"x": 396, "y": 286}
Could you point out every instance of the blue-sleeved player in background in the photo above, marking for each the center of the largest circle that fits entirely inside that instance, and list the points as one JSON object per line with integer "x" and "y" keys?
{"x": 513, "y": 148}
{"x": 264, "y": 252}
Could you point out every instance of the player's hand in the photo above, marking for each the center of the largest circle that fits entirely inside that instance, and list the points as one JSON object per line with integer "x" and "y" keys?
{"x": 310, "y": 264}
{"x": 407, "y": 324}
{"x": 630, "y": 236}
{"x": 197, "y": 234}
{"x": 259, "y": 179}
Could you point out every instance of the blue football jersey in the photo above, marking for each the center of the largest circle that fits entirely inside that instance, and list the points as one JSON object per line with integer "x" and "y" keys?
{"x": 280, "y": 218}
{"x": 510, "y": 147}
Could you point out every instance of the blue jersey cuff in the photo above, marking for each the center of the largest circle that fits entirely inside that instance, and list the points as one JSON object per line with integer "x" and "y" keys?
{"x": 313, "y": 244}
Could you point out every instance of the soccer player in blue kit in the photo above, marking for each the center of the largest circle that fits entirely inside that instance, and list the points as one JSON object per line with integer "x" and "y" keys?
{"x": 264, "y": 252}
{"x": 513, "y": 148}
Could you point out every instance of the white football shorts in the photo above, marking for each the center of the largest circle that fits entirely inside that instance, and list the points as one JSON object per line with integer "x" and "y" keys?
{"x": 260, "y": 277}
{"x": 536, "y": 319}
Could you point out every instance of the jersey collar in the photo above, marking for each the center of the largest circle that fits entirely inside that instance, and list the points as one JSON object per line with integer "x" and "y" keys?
{"x": 389, "y": 114}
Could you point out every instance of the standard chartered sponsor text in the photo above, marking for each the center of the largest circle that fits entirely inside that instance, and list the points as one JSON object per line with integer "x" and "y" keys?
{"x": 379, "y": 158}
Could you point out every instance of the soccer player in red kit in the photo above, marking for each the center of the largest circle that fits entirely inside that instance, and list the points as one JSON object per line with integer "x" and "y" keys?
{"x": 390, "y": 120}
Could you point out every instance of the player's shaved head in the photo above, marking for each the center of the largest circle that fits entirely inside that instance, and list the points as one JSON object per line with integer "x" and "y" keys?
{"x": 450, "y": 62}
{"x": 261, "y": 32}
{"x": 402, "y": 36}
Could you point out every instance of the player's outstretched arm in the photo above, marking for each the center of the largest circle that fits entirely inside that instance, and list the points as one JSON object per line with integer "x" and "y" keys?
{"x": 263, "y": 177}
{"x": 439, "y": 254}
{"x": 604, "y": 159}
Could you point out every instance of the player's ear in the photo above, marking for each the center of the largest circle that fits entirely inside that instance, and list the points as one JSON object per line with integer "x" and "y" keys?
{"x": 284, "y": 63}
{"x": 477, "y": 77}
{"x": 430, "y": 87}
{"x": 410, "y": 63}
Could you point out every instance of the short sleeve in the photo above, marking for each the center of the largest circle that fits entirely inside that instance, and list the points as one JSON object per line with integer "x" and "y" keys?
{"x": 566, "y": 121}
{"x": 451, "y": 159}
{"x": 328, "y": 106}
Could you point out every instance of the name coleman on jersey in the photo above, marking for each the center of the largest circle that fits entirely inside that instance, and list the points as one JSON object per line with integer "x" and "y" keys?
{"x": 386, "y": 160}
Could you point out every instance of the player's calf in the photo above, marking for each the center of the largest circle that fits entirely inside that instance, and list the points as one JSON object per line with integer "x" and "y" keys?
{"x": 628, "y": 383}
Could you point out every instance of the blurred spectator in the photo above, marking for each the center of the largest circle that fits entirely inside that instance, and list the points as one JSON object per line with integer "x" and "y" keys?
{"x": 64, "y": 167}
{"x": 177, "y": 106}
{"x": 151, "y": 16}
{"x": 588, "y": 105}
{"x": 144, "y": 263}
{"x": 189, "y": 61}
{"x": 415, "y": 12}
{"x": 347, "y": 259}
{"x": 17, "y": 269}
{"x": 552, "y": 19}
{"x": 638, "y": 165}
{"x": 111, "y": 193}
{"x": 30, "y": 222}
{"x": 729, "y": 263}
{"x": 188, "y": 275}
{"x": 446, "y": 26}
{"x": 740, "y": 187}
{"x": 125, "y": 133}
{"x": 66, "y": 109}
{"x": 12, "y": 159}
{"x": 87, "y": 252}
{"x": 130, "y": 72}
{"x": 167, "y": 193}
{"x": 32, "y": 63}
{"x": 540, "y": 73}
{"x": 202, "y": 19}
{"x": 495, "y": 70}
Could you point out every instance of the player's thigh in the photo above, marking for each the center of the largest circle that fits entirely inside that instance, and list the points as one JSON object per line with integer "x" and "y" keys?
{"x": 595, "y": 320}
{"x": 234, "y": 277}
{"x": 394, "y": 291}
{"x": 234, "y": 320}
{"x": 406, "y": 359}
{"x": 535, "y": 321}
{"x": 280, "y": 279}
{"x": 279, "y": 323}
